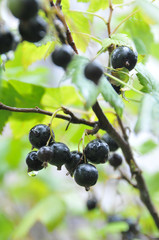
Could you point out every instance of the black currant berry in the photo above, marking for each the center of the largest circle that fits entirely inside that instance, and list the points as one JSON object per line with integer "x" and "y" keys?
{"x": 117, "y": 89}
{"x": 76, "y": 158}
{"x": 33, "y": 30}
{"x": 6, "y": 39}
{"x": 93, "y": 71}
{"x": 97, "y": 151}
{"x": 113, "y": 146}
{"x": 45, "y": 154}
{"x": 61, "y": 154}
{"x": 62, "y": 56}
{"x": 91, "y": 203}
{"x": 115, "y": 160}
{"x": 23, "y": 9}
{"x": 115, "y": 218}
{"x": 123, "y": 57}
{"x": 86, "y": 175}
{"x": 33, "y": 162}
{"x": 39, "y": 135}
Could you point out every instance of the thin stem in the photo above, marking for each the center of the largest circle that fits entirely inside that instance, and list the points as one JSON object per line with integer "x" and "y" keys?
{"x": 110, "y": 17}
{"x": 89, "y": 13}
{"x": 73, "y": 119}
{"x": 89, "y": 36}
{"x": 124, "y": 20}
{"x": 123, "y": 83}
{"x": 51, "y": 120}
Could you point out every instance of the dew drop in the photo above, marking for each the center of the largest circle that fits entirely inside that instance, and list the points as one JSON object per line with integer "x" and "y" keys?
{"x": 32, "y": 173}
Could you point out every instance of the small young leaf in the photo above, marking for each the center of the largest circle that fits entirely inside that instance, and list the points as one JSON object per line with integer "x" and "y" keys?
{"x": 116, "y": 39}
{"x": 111, "y": 96}
{"x": 146, "y": 79}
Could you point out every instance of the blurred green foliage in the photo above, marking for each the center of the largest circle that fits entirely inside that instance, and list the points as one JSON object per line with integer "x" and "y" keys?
{"x": 52, "y": 199}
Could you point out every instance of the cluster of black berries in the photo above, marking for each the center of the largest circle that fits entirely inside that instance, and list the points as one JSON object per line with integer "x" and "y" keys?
{"x": 80, "y": 165}
{"x": 32, "y": 27}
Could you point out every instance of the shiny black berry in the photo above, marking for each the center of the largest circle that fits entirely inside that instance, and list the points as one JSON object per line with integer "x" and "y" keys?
{"x": 86, "y": 175}
{"x": 61, "y": 154}
{"x": 33, "y": 30}
{"x": 39, "y": 135}
{"x": 93, "y": 71}
{"x": 33, "y": 162}
{"x": 113, "y": 146}
{"x": 115, "y": 160}
{"x": 97, "y": 151}
{"x": 91, "y": 203}
{"x": 45, "y": 154}
{"x": 76, "y": 158}
{"x": 6, "y": 39}
{"x": 62, "y": 56}
{"x": 23, "y": 9}
{"x": 123, "y": 57}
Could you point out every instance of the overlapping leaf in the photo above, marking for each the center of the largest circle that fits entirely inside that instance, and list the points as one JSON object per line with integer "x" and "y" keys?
{"x": 116, "y": 39}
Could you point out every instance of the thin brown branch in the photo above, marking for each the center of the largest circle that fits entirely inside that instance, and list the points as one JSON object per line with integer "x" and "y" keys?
{"x": 51, "y": 3}
{"x": 71, "y": 119}
{"x": 124, "y": 20}
{"x": 58, "y": 3}
{"x": 122, "y": 128}
{"x": 124, "y": 177}
{"x": 69, "y": 37}
{"x": 110, "y": 17}
{"x": 127, "y": 152}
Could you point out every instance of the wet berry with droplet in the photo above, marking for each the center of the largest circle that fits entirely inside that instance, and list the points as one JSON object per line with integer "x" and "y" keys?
{"x": 86, "y": 175}
{"x": 23, "y": 9}
{"x": 97, "y": 151}
{"x": 113, "y": 146}
{"x": 62, "y": 56}
{"x": 123, "y": 57}
{"x": 91, "y": 203}
{"x": 33, "y": 162}
{"x": 6, "y": 39}
{"x": 45, "y": 154}
{"x": 61, "y": 154}
{"x": 93, "y": 71}
{"x": 33, "y": 30}
{"x": 115, "y": 160}
{"x": 39, "y": 135}
{"x": 76, "y": 158}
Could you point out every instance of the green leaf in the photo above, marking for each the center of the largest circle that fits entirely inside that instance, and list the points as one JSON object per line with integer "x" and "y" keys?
{"x": 138, "y": 29}
{"x": 28, "y": 53}
{"x": 148, "y": 117}
{"x": 96, "y": 5}
{"x": 146, "y": 79}
{"x": 116, "y": 39}
{"x": 50, "y": 211}
{"x": 7, "y": 97}
{"x": 150, "y": 9}
{"x": 74, "y": 20}
{"x": 146, "y": 147}
{"x": 55, "y": 97}
{"x": 6, "y": 226}
{"x": 87, "y": 88}
{"x": 111, "y": 96}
